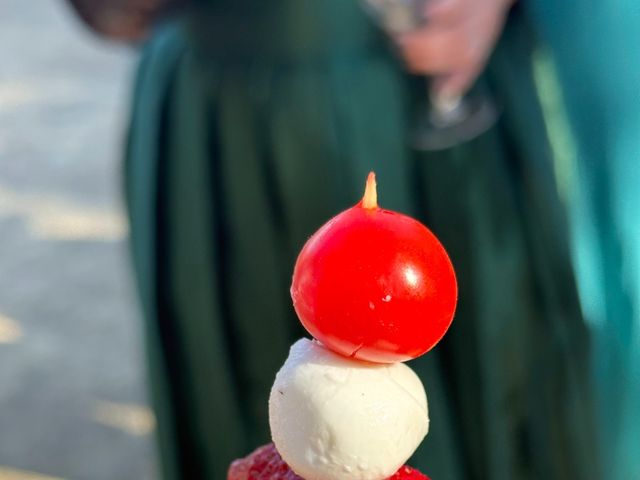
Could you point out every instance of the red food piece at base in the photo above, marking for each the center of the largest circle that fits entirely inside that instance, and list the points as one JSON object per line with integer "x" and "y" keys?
{"x": 408, "y": 473}
{"x": 265, "y": 463}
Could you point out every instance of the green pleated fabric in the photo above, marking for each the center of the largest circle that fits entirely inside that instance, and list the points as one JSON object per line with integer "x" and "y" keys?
{"x": 242, "y": 144}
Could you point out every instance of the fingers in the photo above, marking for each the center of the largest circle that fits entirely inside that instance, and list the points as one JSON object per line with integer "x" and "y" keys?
{"x": 450, "y": 12}
{"x": 436, "y": 51}
{"x": 444, "y": 12}
{"x": 454, "y": 84}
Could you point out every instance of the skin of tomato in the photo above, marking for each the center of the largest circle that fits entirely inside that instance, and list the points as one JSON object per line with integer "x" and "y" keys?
{"x": 375, "y": 285}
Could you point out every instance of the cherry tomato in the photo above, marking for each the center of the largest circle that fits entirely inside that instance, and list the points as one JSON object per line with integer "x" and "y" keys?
{"x": 374, "y": 284}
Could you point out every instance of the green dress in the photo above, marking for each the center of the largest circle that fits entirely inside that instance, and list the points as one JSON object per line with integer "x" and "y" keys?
{"x": 254, "y": 123}
{"x": 593, "y": 58}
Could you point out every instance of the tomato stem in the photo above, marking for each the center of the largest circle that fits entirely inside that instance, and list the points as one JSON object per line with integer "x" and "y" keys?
{"x": 370, "y": 198}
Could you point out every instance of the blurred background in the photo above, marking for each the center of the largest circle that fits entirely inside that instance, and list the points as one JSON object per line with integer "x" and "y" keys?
{"x": 72, "y": 395}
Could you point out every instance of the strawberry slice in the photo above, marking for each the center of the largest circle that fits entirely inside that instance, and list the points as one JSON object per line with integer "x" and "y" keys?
{"x": 408, "y": 473}
{"x": 265, "y": 463}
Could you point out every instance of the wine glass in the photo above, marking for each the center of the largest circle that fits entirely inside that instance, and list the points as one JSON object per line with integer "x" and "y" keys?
{"x": 449, "y": 120}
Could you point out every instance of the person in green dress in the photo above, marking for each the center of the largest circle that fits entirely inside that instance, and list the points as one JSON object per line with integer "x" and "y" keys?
{"x": 253, "y": 123}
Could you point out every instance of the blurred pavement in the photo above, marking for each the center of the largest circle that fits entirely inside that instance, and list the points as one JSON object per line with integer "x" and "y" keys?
{"x": 72, "y": 393}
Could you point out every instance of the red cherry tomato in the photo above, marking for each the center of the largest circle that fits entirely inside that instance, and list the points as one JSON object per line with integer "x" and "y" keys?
{"x": 375, "y": 285}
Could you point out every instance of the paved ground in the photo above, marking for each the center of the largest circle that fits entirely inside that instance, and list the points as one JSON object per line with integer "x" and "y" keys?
{"x": 72, "y": 401}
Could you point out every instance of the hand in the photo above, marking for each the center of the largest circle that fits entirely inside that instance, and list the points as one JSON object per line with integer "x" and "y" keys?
{"x": 455, "y": 42}
{"x": 128, "y": 20}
